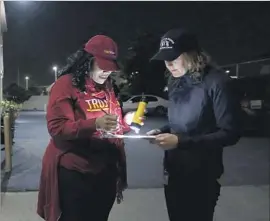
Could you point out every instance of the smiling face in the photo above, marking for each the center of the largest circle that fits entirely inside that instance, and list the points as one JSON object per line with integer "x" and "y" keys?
{"x": 99, "y": 75}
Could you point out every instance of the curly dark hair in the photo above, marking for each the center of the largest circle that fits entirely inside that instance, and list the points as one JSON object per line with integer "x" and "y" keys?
{"x": 79, "y": 65}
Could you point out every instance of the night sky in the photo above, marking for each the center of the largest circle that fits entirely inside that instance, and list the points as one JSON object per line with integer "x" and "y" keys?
{"x": 43, "y": 34}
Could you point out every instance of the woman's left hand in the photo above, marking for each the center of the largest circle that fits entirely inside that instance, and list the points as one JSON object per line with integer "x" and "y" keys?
{"x": 121, "y": 186}
{"x": 167, "y": 141}
{"x": 129, "y": 117}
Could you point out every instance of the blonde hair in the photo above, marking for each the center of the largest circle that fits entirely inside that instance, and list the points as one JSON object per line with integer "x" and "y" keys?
{"x": 195, "y": 61}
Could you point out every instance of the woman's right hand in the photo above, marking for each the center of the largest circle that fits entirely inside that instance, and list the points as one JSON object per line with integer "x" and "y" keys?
{"x": 107, "y": 122}
{"x": 153, "y": 132}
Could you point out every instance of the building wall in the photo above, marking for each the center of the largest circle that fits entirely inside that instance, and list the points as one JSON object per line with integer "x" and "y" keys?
{"x": 3, "y": 28}
{"x": 36, "y": 103}
{"x": 3, "y": 22}
{"x": 1, "y": 66}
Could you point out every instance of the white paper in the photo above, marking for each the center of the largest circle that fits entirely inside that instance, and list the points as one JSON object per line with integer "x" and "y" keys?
{"x": 132, "y": 136}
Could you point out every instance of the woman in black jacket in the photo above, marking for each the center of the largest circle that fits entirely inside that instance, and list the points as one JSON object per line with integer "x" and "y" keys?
{"x": 203, "y": 118}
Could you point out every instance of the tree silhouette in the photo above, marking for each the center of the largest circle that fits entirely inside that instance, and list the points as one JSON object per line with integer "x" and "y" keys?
{"x": 144, "y": 76}
{"x": 16, "y": 93}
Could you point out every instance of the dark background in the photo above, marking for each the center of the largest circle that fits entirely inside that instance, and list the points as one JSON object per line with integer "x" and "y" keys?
{"x": 43, "y": 34}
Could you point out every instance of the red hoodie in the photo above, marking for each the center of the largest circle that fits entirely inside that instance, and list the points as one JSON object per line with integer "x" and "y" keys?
{"x": 71, "y": 118}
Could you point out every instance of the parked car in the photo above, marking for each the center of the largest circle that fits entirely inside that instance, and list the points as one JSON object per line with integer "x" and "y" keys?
{"x": 156, "y": 105}
{"x": 253, "y": 95}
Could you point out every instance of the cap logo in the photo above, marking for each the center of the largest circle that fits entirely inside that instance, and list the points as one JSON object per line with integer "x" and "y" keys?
{"x": 109, "y": 52}
{"x": 166, "y": 43}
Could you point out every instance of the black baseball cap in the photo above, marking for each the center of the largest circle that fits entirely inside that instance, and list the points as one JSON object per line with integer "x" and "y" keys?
{"x": 174, "y": 43}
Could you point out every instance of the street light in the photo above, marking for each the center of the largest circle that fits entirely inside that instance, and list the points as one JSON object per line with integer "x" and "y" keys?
{"x": 26, "y": 82}
{"x": 55, "y": 73}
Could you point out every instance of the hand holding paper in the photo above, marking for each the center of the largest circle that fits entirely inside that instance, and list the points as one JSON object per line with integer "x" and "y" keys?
{"x": 153, "y": 132}
{"x": 167, "y": 141}
{"x": 129, "y": 117}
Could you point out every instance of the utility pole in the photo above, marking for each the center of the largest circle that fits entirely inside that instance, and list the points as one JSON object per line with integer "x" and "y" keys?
{"x": 55, "y": 73}
{"x": 18, "y": 77}
{"x": 26, "y": 83}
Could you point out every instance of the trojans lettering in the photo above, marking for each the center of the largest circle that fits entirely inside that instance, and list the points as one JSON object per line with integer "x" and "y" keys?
{"x": 96, "y": 105}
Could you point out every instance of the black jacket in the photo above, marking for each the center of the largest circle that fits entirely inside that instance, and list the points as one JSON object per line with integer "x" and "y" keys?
{"x": 206, "y": 117}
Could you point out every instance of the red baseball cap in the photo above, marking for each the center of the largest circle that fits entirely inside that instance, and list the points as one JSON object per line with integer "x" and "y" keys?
{"x": 104, "y": 50}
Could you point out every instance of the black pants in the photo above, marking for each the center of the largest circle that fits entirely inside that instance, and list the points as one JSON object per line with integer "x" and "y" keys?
{"x": 86, "y": 197}
{"x": 191, "y": 199}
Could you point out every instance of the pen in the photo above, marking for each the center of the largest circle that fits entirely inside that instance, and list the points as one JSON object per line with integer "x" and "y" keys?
{"x": 104, "y": 111}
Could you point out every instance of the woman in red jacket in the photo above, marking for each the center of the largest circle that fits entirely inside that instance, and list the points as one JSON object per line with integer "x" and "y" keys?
{"x": 83, "y": 172}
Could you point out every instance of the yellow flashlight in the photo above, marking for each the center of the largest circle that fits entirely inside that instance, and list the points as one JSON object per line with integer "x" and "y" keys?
{"x": 136, "y": 123}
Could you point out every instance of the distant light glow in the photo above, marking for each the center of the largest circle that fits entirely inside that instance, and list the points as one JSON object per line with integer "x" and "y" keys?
{"x": 24, "y": 2}
{"x": 227, "y": 71}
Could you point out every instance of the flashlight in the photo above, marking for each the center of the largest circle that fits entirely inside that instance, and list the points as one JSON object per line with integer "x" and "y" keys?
{"x": 137, "y": 123}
